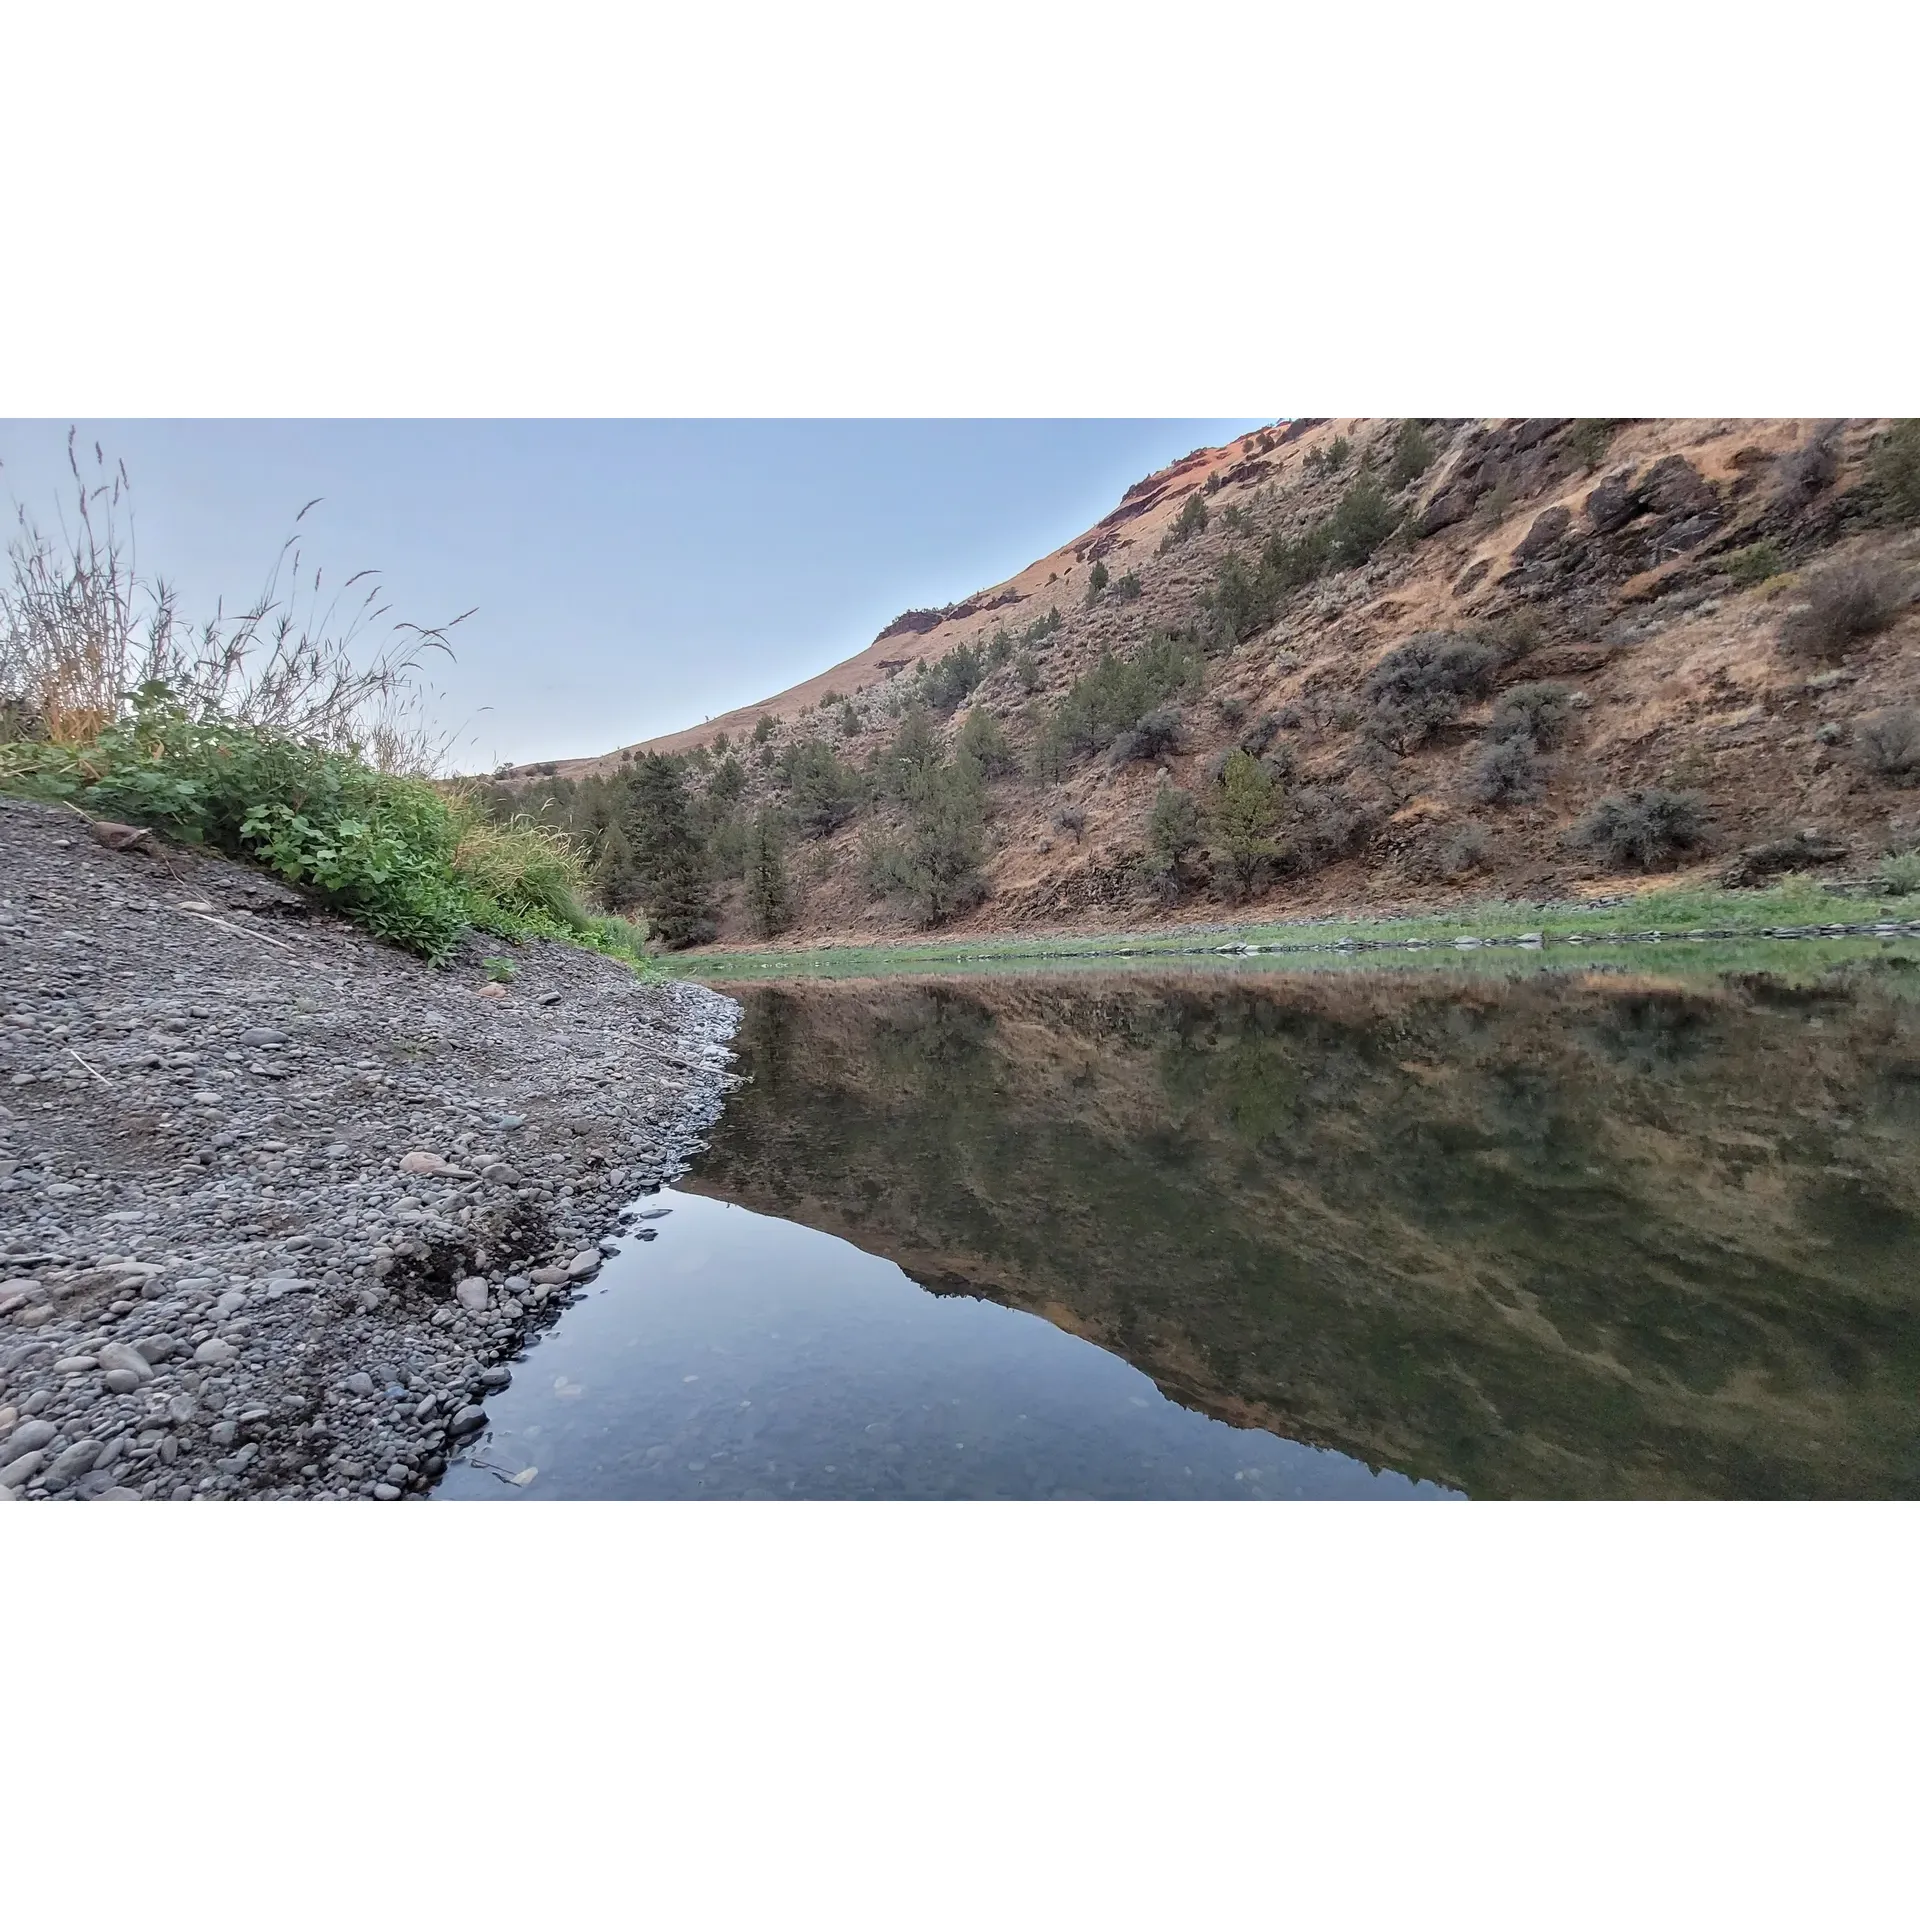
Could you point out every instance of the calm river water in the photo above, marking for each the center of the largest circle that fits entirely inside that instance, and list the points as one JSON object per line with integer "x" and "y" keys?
{"x": 1234, "y": 1234}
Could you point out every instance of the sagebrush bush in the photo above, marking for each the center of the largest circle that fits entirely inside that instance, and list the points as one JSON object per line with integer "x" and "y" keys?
{"x": 1899, "y": 873}
{"x": 1507, "y": 771}
{"x": 1646, "y": 827}
{"x": 1419, "y": 687}
{"x": 1847, "y": 601}
{"x": 1537, "y": 711}
{"x": 1466, "y": 851}
{"x": 1155, "y": 735}
{"x": 1887, "y": 744}
{"x": 1327, "y": 824}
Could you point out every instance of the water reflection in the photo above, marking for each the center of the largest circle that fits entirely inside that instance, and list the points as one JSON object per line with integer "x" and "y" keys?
{"x": 1573, "y": 1234}
{"x": 739, "y": 1356}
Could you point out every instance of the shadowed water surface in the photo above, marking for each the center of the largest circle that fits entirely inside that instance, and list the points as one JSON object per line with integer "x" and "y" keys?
{"x": 1591, "y": 1232}
{"x": 739, "y": 1356}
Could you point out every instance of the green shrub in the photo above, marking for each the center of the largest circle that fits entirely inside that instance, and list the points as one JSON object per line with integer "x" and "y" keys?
{"x": 1155, "y": 735}
{"x": 1750, "y": 565}
{"x": 1896, "y": 467}
{"x": 1191, "y": 520}
{"x": 1127, "y": 587}
{"x": 823, "y": 791}
{"x": 1646, "y": 827}
{"x": 1362, "y": 520}
{"x": 955, "y": 674}
{"x": 763, "y": 729}
{"x": 1588, "y": 440}
{"x": 1899, "y": 873}
{"x": 377, "y": 848}
{"x": 1412, "y": 456}
{"x": 1026, "y": 670}
{"x": 523, "y": 869}
{"x": 1242, "y": 818}
{"x": 985, "y": 741}
{"x": 1118, "y": 691}
{"x": 933, "y": 866}
{"x": 1174, "y": 835}
{"x": 500, "y": 970}
{"x": 1339, "y": 450}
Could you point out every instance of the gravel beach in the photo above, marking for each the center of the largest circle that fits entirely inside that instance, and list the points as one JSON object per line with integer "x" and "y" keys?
{"x": 277, "y": 1203}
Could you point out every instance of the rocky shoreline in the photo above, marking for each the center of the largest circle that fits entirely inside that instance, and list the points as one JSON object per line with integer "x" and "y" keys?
{"x": 278, "y": 1204}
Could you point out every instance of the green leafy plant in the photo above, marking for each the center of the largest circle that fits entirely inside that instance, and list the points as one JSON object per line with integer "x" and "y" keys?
{"x": 1751, "y": 565}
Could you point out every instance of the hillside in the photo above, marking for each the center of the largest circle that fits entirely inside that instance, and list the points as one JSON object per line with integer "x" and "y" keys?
{"x": 1441, "y": 645}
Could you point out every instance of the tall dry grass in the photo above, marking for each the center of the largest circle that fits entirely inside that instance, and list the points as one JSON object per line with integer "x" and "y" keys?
{"x": 82, "y": 628}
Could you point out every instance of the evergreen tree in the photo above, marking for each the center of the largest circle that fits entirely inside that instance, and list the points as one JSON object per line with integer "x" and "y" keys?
{"x": 669, "y": 857}
{"x": 615, "y": 881}
{"x": 768, "y": 907}
{"x": 1243, "y": 817}
{"x": 985, "y": 741}
{"x": 1173, "y": 833}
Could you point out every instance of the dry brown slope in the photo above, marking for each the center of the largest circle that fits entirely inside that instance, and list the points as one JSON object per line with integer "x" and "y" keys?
{"x": 1678, "y": 675}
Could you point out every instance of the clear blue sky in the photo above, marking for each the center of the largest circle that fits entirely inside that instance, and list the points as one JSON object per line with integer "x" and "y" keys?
{"x": 632, "y": 577}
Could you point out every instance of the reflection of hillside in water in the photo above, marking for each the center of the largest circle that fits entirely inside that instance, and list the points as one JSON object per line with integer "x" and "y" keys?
{"x": 1557, "y": 1235}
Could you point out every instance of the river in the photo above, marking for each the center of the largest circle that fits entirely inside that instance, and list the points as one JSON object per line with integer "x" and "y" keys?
{"x": 1642, "y": 1227}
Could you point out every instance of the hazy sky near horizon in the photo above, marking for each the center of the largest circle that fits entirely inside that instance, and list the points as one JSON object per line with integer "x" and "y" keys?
{"x": 631, "y": 577}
